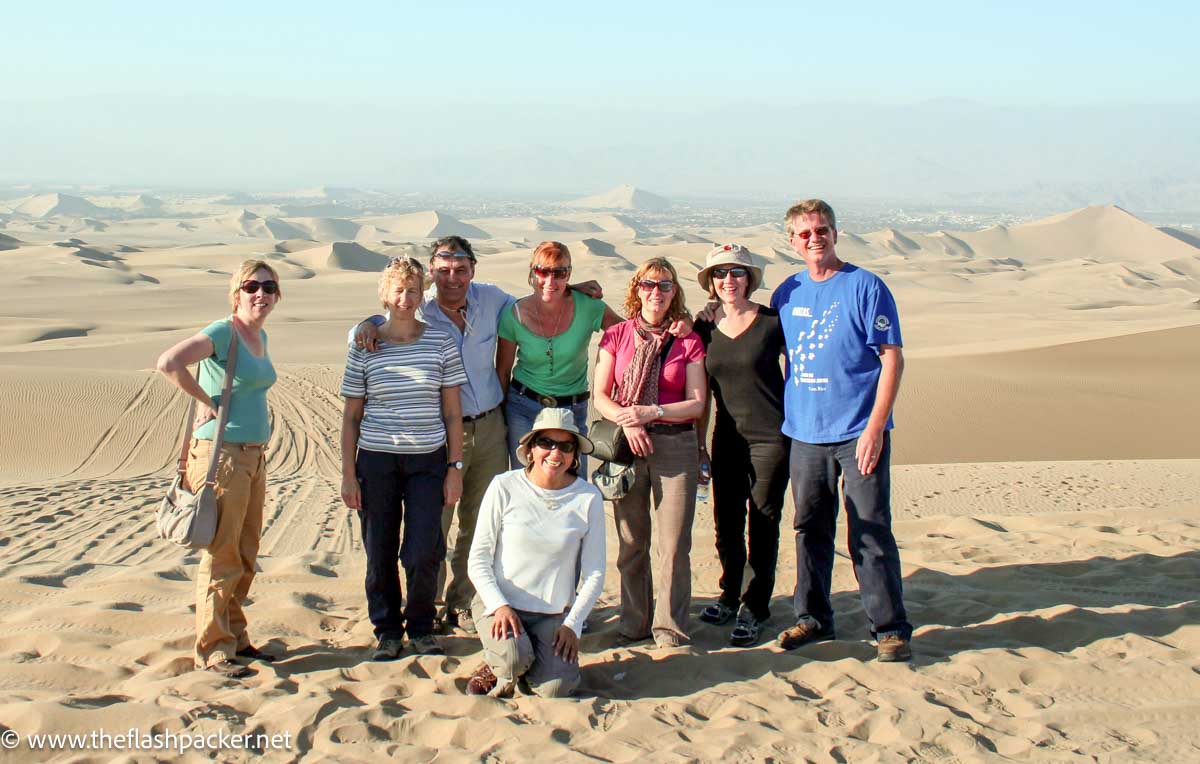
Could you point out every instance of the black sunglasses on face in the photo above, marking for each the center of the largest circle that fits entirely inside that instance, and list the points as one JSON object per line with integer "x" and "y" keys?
{"x": 566, "y": 446}
{"x": 666, "y": 286}
{"x": 251, "y": 286}
{"x": 558, "y": 273}
{"x": 737, "y": 273}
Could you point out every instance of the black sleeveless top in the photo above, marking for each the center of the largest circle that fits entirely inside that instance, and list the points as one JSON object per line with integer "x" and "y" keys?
{"x": 746, "y": 376}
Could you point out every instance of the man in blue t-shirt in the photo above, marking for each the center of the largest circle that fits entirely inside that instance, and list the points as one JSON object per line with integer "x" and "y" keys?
{"x": 843, "y": 372}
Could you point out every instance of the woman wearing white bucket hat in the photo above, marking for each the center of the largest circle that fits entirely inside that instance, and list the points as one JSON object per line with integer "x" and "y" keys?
{"x": 537, "y": 563}
{"x": 744, "y": 342}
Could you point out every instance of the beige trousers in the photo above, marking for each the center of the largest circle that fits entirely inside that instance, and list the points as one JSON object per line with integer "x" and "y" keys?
{"x": 530, "y": 654}
{"x": 667, "y": 478}
{"x": 227, "y": 566}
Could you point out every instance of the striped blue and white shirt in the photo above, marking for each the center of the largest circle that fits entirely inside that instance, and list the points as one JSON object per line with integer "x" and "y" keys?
{"x": 485, "y": 304}
{"x": 402, "y": 384}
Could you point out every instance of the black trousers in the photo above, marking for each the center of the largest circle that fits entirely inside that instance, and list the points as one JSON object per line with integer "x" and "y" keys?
{"x": 402, "y": 488}
{"x": 749, "y": 483}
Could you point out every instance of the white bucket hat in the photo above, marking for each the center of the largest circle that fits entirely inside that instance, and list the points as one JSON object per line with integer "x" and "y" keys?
{"x": 554, "y": 419}
{"x": 731, "y": 255}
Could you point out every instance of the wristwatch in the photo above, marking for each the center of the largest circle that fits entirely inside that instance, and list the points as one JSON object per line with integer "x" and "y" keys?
{"x": 660, "y": 412}
{"x": 458, "y": 465}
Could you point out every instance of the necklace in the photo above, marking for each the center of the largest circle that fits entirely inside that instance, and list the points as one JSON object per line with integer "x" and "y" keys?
{"x": 456, "y": 315}
{"x": 550, "y": 338}
{"x": 547, "y": 495}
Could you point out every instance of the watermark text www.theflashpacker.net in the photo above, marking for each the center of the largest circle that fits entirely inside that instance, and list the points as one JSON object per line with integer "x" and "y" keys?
{"x": 134, "y": 739}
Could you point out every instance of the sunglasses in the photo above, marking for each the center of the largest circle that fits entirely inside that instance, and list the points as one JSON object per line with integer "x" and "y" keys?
{"x": 565, "y": 446}
{"x": 250, "y": 286}
{"x": 666, "y": 286}
{"x": 737, "y": 273}
{"x": 559, "y": 273}
{"x": 821, "y": 230}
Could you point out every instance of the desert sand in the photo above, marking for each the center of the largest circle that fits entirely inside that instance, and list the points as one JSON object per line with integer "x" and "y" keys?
{"x": 1046, "y": 500}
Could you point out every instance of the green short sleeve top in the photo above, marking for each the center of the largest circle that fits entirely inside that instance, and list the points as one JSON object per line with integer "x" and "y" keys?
{"x": 249, "y": 420}
{"x": 555, "y": 365}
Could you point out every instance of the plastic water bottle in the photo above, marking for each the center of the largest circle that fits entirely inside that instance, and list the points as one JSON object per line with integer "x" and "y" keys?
{"x": 702, "y": 483}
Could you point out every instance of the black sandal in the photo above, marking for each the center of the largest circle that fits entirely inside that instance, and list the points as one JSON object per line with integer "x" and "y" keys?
{"x": 717, "y": 613}
{"x": 747, "y": 631}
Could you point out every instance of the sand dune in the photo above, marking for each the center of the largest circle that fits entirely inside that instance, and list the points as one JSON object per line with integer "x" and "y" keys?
{"x": 1121, "y": 398}
{"x": 331, "y": 229}
{"x": 1045, "y": 499}
{"x": 34, "y": 266}
{"x": 342, "y": 255}
{"x": 430, "y": 224}
{"x": 146, "y": 204}
{"x": 535, "y": 225}
{"x": 55, "y": 205}
{"x": 676, "y": 238}
{"x": 624, "y": 197}
{"x": 249, "y": 224}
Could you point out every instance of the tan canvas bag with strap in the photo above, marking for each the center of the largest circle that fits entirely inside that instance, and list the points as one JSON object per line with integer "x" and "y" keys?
{"x": 189, "y": 518}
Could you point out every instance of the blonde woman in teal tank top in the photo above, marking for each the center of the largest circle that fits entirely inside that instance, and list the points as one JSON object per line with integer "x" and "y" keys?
{"x": 226, "y": 568}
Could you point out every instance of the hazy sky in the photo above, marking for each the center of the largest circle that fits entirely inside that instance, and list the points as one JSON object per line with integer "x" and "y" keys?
{"x": 570, "y": 96}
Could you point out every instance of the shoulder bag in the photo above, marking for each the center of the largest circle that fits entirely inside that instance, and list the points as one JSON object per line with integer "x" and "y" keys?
{"x": 614, "y": 476}
{"x": 189, "y": 518}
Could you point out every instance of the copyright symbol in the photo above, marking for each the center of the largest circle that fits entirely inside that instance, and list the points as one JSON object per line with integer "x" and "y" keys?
{"x": 10, "y": 739}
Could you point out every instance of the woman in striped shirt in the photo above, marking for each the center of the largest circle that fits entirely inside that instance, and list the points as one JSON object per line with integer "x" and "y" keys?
{"x": 402, "y": 444}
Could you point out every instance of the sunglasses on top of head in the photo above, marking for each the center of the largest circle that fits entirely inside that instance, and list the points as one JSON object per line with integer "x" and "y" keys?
{"x": 737, "y": 273}
{"x": 565, "y": 446}
{"x": 560, "y": 272}
{"x": 251, "y": 286}
{"x": 821, "y": 231}
{"x": 666, "y": 286}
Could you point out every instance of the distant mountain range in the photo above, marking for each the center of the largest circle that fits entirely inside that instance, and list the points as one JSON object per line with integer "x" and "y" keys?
{"x": 1143, "y": 156}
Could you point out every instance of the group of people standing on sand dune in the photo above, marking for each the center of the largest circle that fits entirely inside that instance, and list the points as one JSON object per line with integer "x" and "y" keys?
{"x": 464, "y": 402}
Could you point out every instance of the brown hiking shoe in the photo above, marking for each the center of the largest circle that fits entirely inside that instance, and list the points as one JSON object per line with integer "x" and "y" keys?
{"x": 802, "y": 634}
{"x": 893, "y": 649}
{"x": 482, "y": 681}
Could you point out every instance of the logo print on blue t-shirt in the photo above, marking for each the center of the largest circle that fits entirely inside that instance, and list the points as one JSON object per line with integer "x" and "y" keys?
{"x": 807, "y": 346}
{"x": 883, "y": 323}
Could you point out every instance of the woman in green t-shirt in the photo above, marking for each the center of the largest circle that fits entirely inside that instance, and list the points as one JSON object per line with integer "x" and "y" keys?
{"x": 227, "y": 566}
{"x": 547, "y": 333}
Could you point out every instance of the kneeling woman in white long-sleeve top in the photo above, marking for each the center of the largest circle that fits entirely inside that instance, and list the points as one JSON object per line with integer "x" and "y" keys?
{"x": 537, "y": 563}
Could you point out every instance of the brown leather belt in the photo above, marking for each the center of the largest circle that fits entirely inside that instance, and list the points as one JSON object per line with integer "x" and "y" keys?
{"x": 670, "y": 428}
{"x": 550, "y": 401}
{"x": 477, "y": 417}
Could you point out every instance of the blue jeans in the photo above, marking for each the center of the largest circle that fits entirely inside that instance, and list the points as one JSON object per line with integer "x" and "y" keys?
{"x": 519, "y": 413}
{"x": 816, "y": 470}
{"x": 402, "y": 488}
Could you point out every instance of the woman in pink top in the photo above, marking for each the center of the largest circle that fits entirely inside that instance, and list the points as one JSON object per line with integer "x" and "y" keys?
{"x": 653, "y": 385}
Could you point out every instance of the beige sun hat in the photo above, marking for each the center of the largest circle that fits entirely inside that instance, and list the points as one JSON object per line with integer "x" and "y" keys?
{"x": 733, "y": 255}
{"x": 554, "y": 419}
